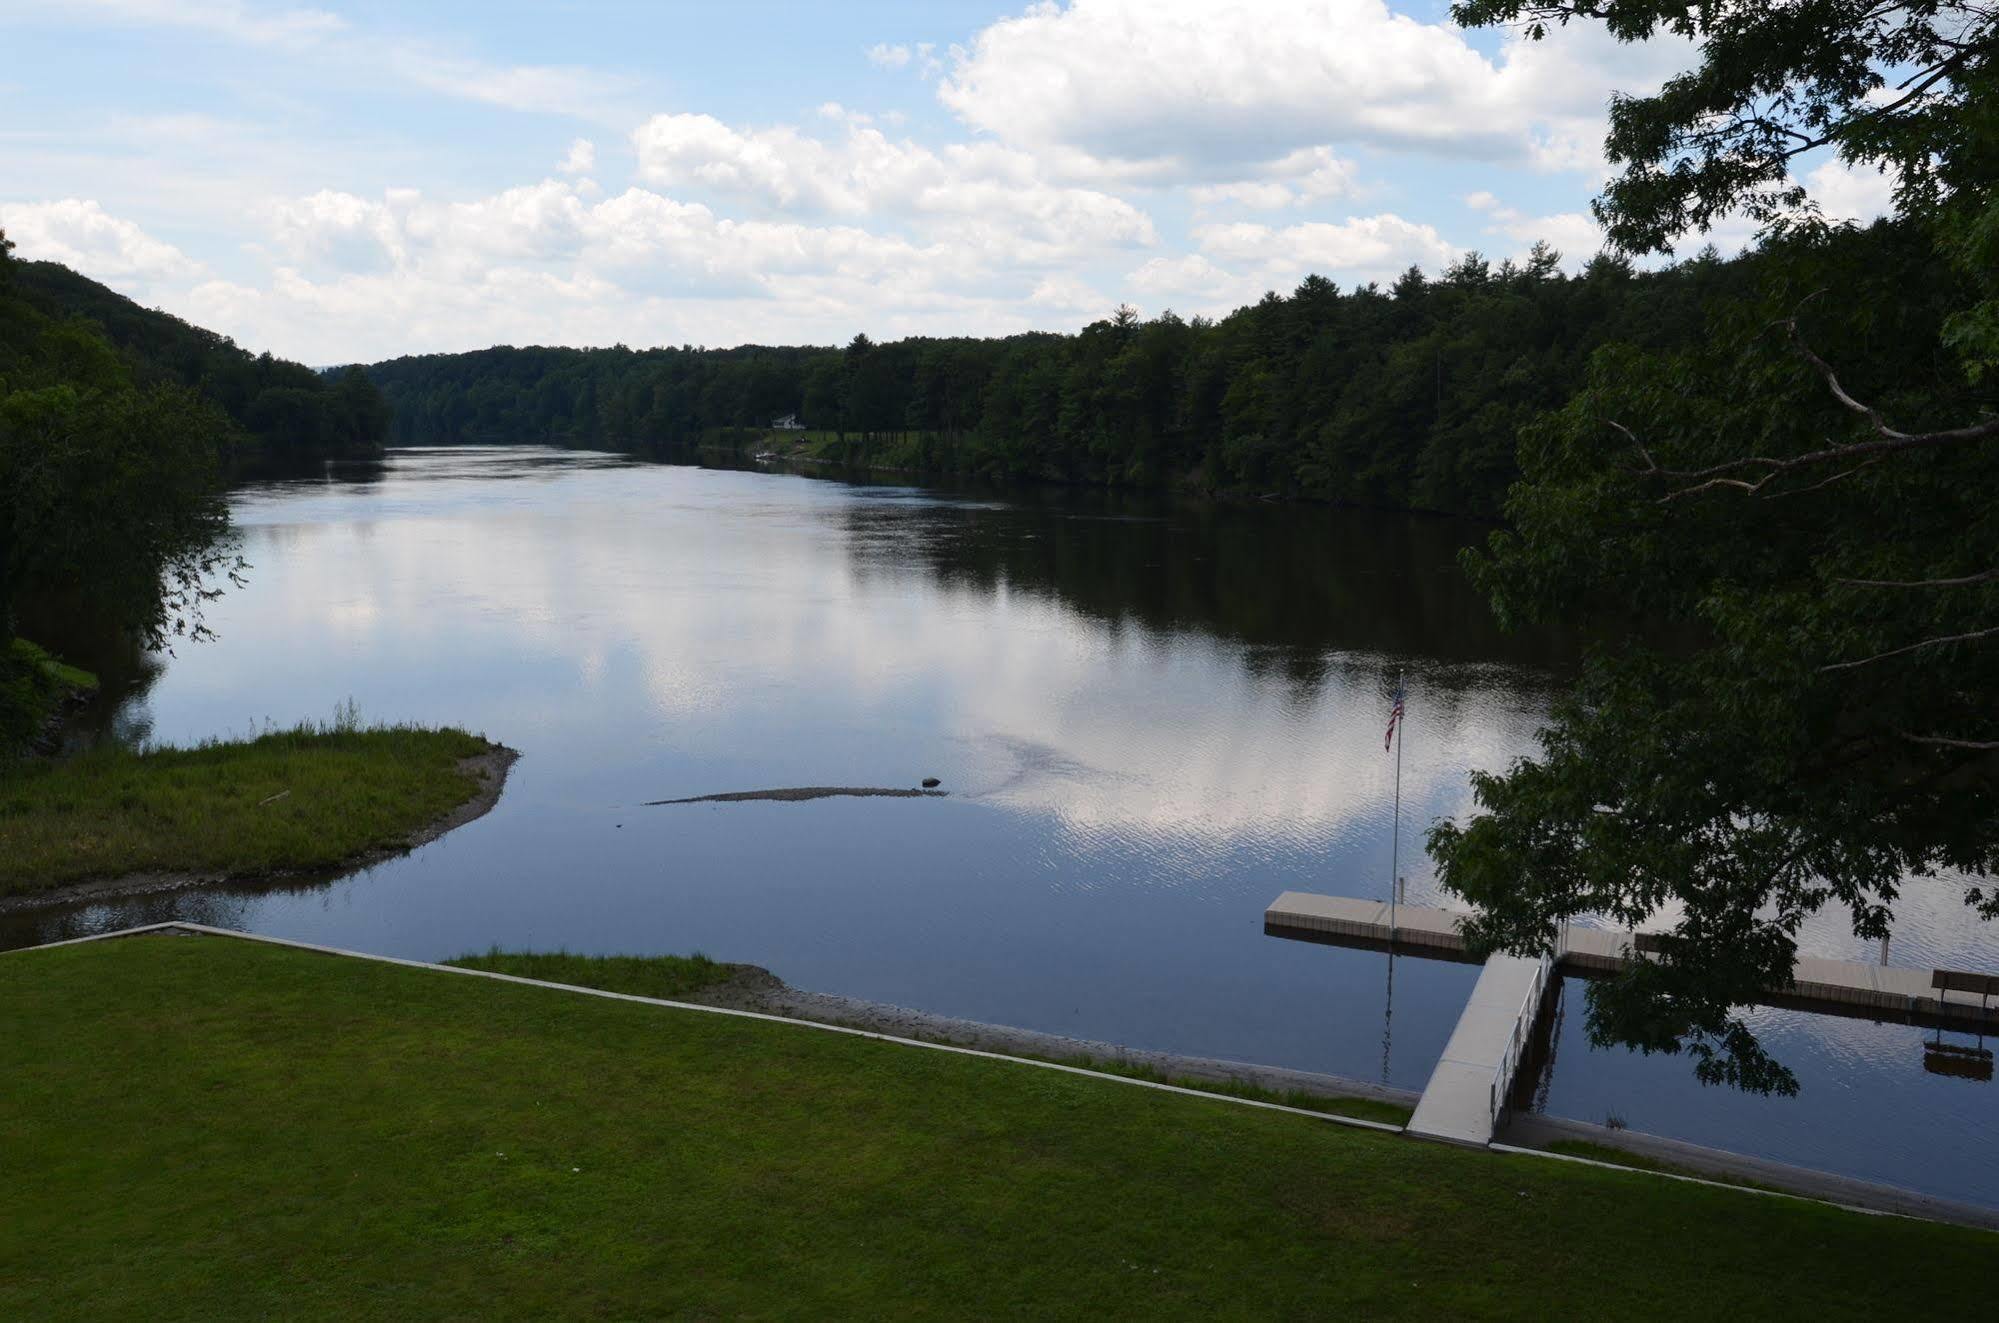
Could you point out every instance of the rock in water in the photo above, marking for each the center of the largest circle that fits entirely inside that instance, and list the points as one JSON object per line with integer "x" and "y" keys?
{"x": 931, "y": 783}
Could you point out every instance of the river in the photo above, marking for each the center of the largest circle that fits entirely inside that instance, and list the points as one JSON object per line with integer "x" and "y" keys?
{"x": 1149, "y": 718}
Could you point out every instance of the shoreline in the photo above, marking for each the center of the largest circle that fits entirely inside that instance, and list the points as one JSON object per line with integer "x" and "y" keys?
{"x": 491, "y": 767}
{"x": 755, "y": 988}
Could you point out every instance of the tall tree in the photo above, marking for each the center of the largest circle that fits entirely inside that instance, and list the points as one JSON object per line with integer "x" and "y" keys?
{"x": 1792, "y": 522}
{"x": 109, "y": 492}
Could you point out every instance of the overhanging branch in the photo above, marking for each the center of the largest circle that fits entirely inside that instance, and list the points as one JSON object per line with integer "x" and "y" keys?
{"x": 1938, "y": 642}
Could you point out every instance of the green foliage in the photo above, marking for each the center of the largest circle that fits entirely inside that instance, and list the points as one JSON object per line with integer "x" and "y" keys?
{"x": 1405, "y": 399}
{"x": 1792, "y": 524}
{"x": 109, "y": 489}
{"x": 33, "y": 685}
{"x": 215, "y": 1129}
{"x": 1887, "y": 83}
{"x": 279, "y": 408}
{"x": 314, "y": 796}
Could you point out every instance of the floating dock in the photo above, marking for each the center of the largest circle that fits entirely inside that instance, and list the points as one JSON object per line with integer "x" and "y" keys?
{"x": 1468, "y": 1090}
{"x": 1942, "y": 998}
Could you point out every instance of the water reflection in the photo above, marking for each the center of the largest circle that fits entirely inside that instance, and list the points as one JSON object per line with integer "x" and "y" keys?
{"x": 1298, "y": 584}
{"x": 1152, "y": 718}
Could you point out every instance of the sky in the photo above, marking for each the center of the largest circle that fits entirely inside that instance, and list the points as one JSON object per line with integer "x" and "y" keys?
{"x": 364, "y": 180}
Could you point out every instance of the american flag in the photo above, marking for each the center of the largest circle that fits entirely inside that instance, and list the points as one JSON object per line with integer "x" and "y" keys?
{"x": 1394, "y": 718}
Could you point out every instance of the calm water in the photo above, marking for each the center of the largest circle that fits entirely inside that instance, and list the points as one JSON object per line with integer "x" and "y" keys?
{"x": 1151, "y": 720}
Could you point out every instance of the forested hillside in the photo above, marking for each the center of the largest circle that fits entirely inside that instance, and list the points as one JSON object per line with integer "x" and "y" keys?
{"x": 1408, "y": 397}
{"x": 110, "y": 498}
{"x": 282, "y": 408}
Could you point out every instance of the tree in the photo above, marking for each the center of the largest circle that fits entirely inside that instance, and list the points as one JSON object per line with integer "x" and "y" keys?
{"x": 1791, "y": 526}
{"x": 109, "y": 492}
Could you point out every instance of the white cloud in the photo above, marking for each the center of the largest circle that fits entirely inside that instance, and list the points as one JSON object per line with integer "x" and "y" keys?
{"x": 1310, "y": 174}
{"x": 550, "y": 263}
{"x": 1363, "y": 248}
{"x": 1574, "y": 234}
{"x": 337, "y": 230}
{"x": 1191, "y": 276}
{"x": 79, "y": 233}
{"x": 1070, "y": 296}
{"x": 995, "y": 191}
{"x": 1254, "y": 129}
{"x": 1189, "y": 89}
{"x": 1239, "y": 262}
{"x": 1846, "y": 192}
{"x": 581, "y": 160}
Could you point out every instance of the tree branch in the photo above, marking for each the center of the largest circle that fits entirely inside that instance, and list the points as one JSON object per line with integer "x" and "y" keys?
{"x": 1989, "y": 576}
{"x": 1889, "y": 440}
{"x": 1973, "y": 636}
{"x": 1827, "y": 482}
{"x": 1948, "y": 743}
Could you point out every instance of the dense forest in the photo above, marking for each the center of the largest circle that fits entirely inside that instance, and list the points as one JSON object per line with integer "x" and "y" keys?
{"x": 1407, "y": 397}
{"x": 281, "y": 409}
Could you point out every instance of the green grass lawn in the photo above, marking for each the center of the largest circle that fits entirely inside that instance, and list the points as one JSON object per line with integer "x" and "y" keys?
{"x": 309, "y": 797}
{"x": 203, "y": 1128}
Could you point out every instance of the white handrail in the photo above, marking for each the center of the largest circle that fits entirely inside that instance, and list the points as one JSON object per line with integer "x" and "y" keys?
{"x": 1502, "y": 1074}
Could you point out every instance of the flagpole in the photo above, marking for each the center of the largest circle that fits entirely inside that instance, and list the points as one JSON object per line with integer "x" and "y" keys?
{"x": 1395, "y": 842}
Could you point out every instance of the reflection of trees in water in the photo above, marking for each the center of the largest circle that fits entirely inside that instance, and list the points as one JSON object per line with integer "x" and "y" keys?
{"x": 278, "y": 475}
{"x": 1298, "y": 586}
{"x": 217, "y": 904}
{"x": 217, "y": 907}
{"x": 124, "y": 670}
{"x": 261, "y": 469}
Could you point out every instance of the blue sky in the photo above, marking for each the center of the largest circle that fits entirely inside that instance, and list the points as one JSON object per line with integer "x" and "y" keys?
{"x": 352, "y": 181}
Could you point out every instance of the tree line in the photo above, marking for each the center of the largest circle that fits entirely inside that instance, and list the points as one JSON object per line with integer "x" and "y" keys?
{"x": 1407, "y": 397}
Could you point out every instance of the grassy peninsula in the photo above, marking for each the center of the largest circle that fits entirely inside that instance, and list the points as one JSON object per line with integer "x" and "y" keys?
{"x": 273, "y": 1133}
{"x": 311, "y": 797}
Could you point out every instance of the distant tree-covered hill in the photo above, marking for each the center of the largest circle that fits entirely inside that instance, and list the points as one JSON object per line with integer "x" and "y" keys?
{"x": 282, "y": 408}
{"x": 1407, "y": 397}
